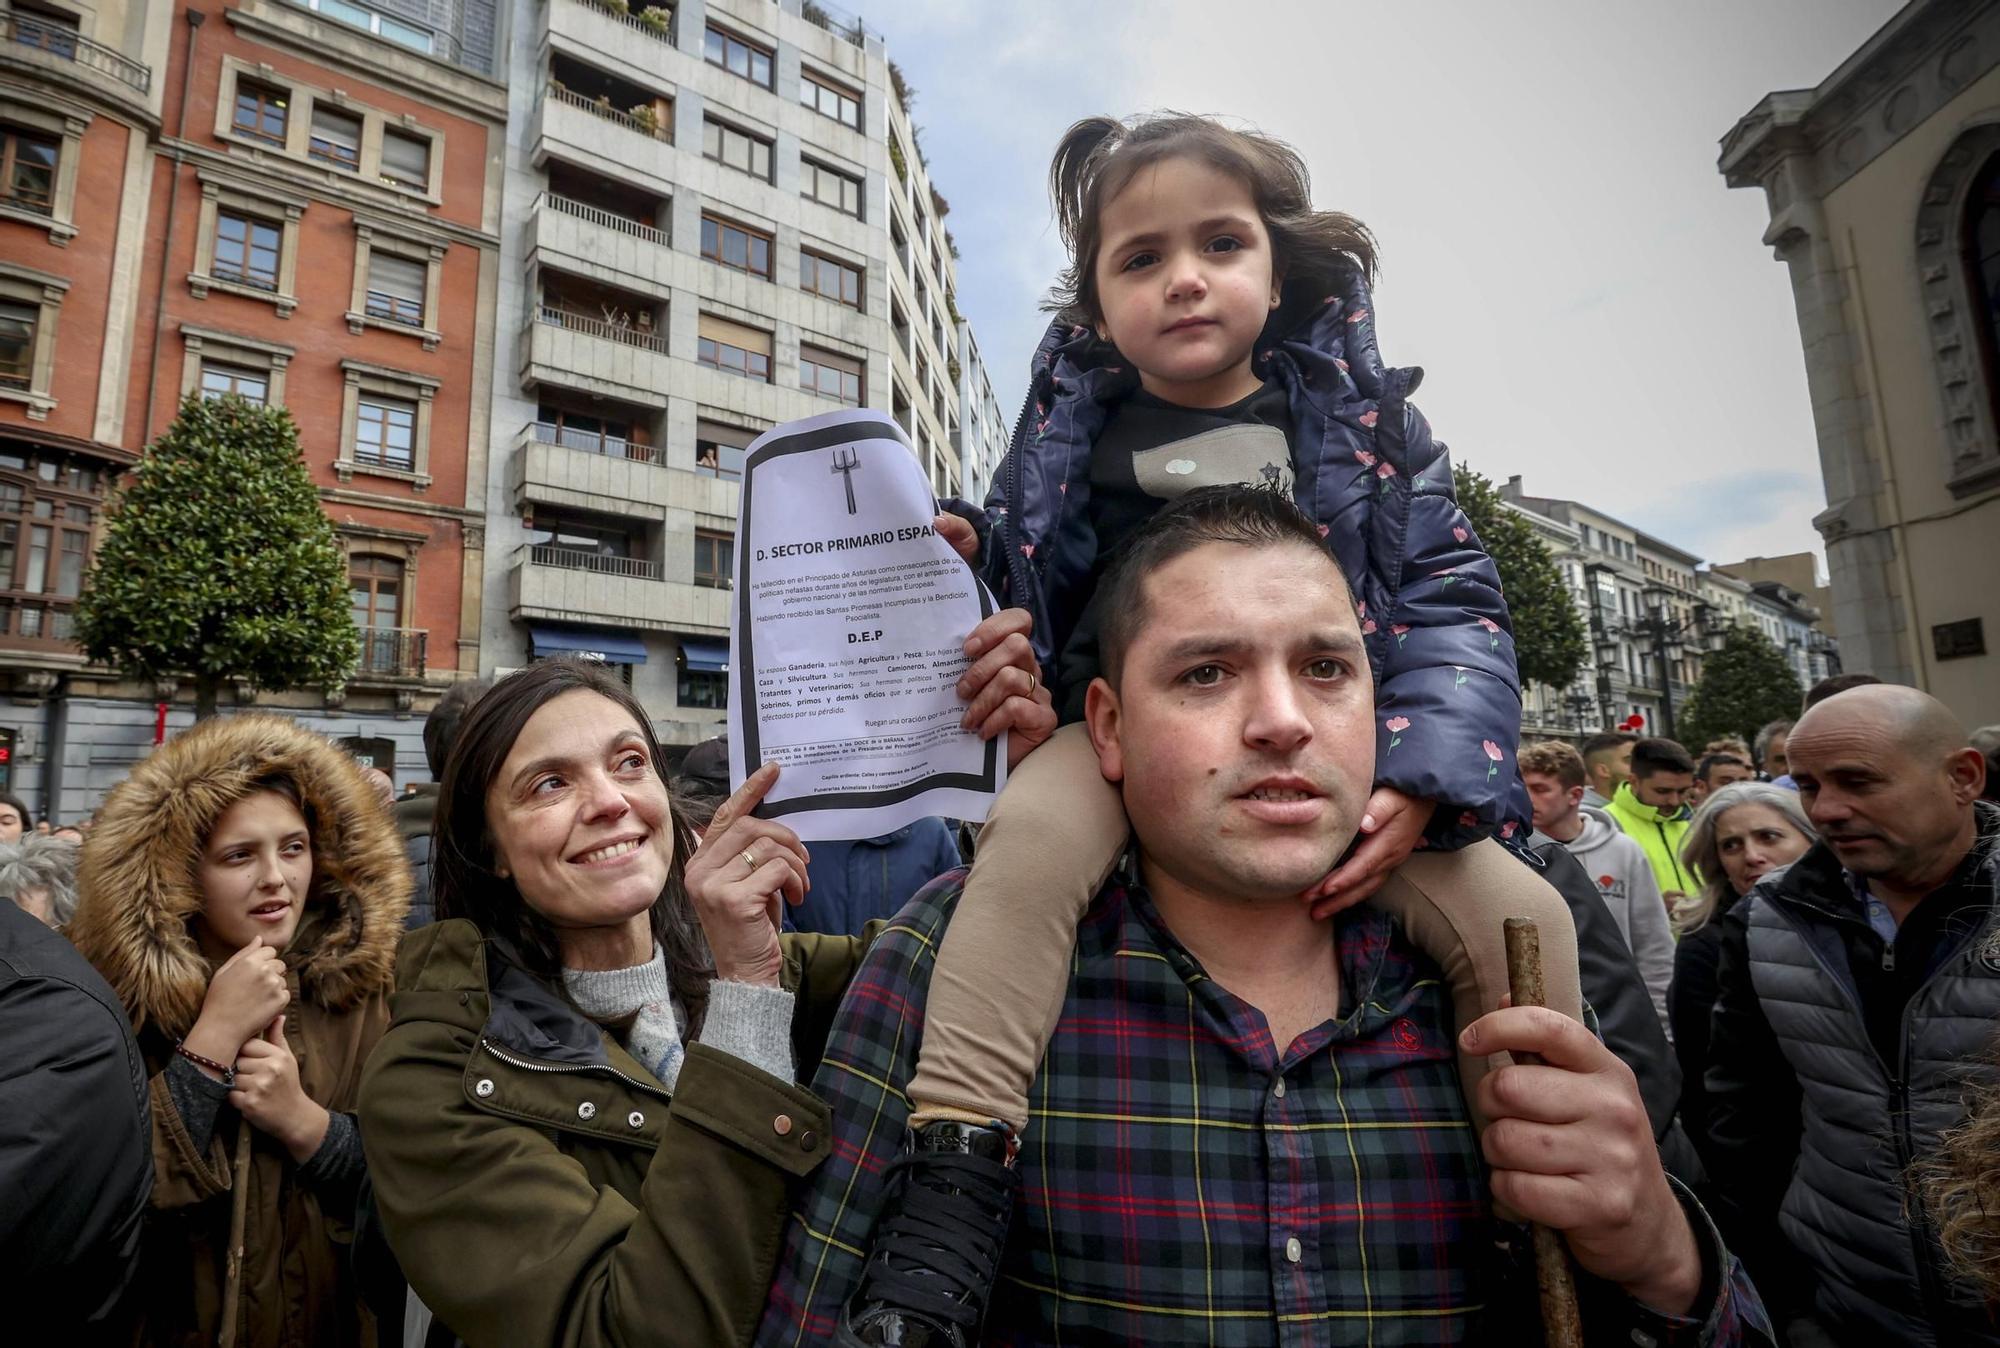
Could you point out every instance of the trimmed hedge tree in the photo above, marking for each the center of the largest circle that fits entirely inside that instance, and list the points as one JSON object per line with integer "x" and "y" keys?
{"x": 218, "y": 563}
{"x": 1744, "y": 686}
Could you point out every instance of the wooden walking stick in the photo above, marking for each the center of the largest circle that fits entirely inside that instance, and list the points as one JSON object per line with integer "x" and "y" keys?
{"x": 1562, "y": 1326}
{"x": 239, "y": 1199}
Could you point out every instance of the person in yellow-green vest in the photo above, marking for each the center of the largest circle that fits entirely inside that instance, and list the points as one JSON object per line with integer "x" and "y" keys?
{"x": 1652, "y": 808}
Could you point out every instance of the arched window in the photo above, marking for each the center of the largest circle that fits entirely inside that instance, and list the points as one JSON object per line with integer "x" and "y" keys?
{"x": 1958, "y": 265}
{"x": 1979, "y": 249}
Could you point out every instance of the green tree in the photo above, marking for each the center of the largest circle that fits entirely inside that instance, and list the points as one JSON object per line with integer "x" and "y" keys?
{"x": 1744, "y": 686}
{"x": 1549, "y": 639}
{"x": 217, "y": 562}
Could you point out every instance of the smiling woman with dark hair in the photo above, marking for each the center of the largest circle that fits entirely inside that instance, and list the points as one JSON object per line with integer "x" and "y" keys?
{"x": 583, "y": 1125}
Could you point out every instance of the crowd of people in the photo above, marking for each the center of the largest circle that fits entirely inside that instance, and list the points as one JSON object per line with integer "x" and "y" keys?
{"x": 1213, "y": 1041}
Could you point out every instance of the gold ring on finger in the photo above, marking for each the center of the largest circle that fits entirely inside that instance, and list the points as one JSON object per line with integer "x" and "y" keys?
{"x": 749, "y": 859}
{"x": 1034, "y": 682}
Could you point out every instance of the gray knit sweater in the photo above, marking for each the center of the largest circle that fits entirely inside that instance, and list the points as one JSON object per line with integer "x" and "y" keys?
{"x": 745, "y": 1020}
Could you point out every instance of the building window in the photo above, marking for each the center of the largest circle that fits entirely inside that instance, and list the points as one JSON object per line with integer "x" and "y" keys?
{"x": 830, "y": 187}
{"x": 44, "y": 547}
{"x": 830, "y": 100}
{"x": 403, "y": 34}
{"x": 385, "y": 432}
{"x": 617, "y": 437}
{"x": 708, "y": 689}
{"x": 219, "y": 380}
{"x": 375, "y": 588}
{"x": 738, "y": 149}
{"x": 262, "y": 112}
{"x": 28, "y": 170}
{"x": 396, "y": 288}
{"x": 30, "y": 307}
{"x": 736, "y": 56}
{"x": 385, "y": 423}
{"x": 246, "y": 250}
{"x": 53, "y": 32}
{"x": 406, "y": 161}
{"x": 734, "y": 349}
{"x": 718, "y": 449}
{"x": 835, "y": 280}
{"x": 713, "y": 559}
{"x": 737, "y": 247}
{"x": 398, "y": 277}
{"x": 17, "y": 343}
{"x": 336, "y": 138}
{"x": 830, "y": 375}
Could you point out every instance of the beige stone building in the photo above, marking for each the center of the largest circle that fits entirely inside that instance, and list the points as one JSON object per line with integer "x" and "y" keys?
{"x": 1883, "y": 185}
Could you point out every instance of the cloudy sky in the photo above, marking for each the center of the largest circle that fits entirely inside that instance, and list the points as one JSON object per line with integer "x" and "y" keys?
{"x": 1593, "y": 308}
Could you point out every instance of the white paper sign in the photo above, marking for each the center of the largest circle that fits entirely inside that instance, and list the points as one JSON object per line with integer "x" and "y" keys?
{"x": 847, "y": 636}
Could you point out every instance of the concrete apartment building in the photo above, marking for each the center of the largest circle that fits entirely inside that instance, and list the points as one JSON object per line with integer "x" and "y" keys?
{"x": 1881, "y": 186}
{"x": 983, "y": 429}
{"x": 717, "y": 221}
{"x": 287, "y": 201}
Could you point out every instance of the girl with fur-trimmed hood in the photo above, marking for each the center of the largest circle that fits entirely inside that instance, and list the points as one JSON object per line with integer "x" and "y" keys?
{"x": 243, "y": 893}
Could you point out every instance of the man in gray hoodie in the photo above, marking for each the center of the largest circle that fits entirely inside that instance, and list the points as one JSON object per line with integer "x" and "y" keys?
{"x": 1554, "y": 774}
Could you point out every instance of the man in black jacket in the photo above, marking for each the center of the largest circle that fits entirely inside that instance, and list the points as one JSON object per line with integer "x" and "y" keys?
{"x": 413, "y": 812}
{"x": 76, "y": 1162}
{"x": 1859, "y": 991}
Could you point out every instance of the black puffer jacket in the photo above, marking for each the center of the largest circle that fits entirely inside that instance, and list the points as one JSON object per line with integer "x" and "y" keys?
{"x": 76, "y": 1167}
{"x": 1616, "y": 991}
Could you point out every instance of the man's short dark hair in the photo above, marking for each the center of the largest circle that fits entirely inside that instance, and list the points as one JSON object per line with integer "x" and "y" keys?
{"x": 1606, "y": 743}
{"x": 441, "y": 726}
{"x": 1831, "y": 684}
{"x": 1248, "y": 516}
{"x": 1714, "y": 761}
{"x": 1650, "y": 757}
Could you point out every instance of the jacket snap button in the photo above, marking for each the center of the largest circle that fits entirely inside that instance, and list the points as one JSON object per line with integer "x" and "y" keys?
{"x": 808, "y": 1140}
{"x": 586, "y": 1111}
{"x": 782, "y": 1125}
{"x": 484, "y": 1088}
{"x": 636, "y": 1119}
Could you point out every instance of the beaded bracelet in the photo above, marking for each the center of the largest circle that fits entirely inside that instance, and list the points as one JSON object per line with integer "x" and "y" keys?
{"x": 228, "y": 1073}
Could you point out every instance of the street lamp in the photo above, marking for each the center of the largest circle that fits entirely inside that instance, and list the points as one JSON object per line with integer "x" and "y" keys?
{"x": 1708, "y": 629}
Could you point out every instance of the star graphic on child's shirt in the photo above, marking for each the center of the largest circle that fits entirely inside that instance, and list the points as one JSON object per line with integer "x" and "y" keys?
{"x": 1271, "y": 472}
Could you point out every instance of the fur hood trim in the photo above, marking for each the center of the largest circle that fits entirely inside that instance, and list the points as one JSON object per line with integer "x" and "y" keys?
{"x": 136, "y": 880}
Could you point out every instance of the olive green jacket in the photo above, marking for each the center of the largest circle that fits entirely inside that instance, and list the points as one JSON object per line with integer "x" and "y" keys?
{"x": 540, "y": 1187}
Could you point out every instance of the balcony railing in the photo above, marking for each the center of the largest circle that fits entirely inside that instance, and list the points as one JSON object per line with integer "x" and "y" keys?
{"x": 593, "y": 442}
{"x": 660, "y": 29}
{"x": 37, "y": 622}
{"x": 602, "y": 107}
{"x": 646, "y": 338}
{"x": 392, "y": 652}
{"x": 847, "y": 27}
{"x": 576, "y": 559}
{"x": 597, "y": 215}
{"x": 70, "y": 45}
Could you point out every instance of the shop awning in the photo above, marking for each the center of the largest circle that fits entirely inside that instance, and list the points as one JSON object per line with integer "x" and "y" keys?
{"x": 613, "y": 648}
{"x": 707, "y": 656}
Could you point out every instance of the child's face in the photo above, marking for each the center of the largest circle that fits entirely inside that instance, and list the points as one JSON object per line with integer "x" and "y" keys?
{"x": 1185, "y": 281}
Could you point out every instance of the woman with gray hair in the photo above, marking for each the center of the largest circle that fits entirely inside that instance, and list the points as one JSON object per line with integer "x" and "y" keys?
{"x": 39, "y": 874}
{"x": 1741, "y": 833}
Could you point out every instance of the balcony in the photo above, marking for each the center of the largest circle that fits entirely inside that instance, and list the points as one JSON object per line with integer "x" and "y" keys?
{"x": 562, "y": 466}
{"x": 595, "y": 241}
{"x": 569, "y": 585}
{"x": 392, "y": 653}
{"x": 57, "y": 52}
{"x": 600, "y": 27}
{"x": 38, "y": 623}
{"x": 580, "y": 128}
{"x": 614, "y": 359}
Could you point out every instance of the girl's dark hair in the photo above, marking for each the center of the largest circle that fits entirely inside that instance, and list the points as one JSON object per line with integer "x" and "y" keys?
{"x": 463, "y": 878}
{"x": 1098, "y": 156}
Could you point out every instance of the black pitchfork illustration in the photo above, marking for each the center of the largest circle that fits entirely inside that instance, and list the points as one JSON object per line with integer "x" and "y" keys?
{"x": 845, "y": 461}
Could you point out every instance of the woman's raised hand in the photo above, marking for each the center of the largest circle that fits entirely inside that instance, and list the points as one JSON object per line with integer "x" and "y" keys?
{"x": 744, "y": 869}
{"x": 243, "y": 996}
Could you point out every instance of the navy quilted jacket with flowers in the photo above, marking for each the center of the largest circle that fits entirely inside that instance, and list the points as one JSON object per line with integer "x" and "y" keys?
{"x": 1367, "y": 470}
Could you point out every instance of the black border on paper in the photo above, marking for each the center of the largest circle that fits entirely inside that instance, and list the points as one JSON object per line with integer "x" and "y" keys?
{"x": 803, "y": 442}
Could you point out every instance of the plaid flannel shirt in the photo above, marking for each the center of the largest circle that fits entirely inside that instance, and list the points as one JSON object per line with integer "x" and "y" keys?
{"x": 1185, "y": 1182}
